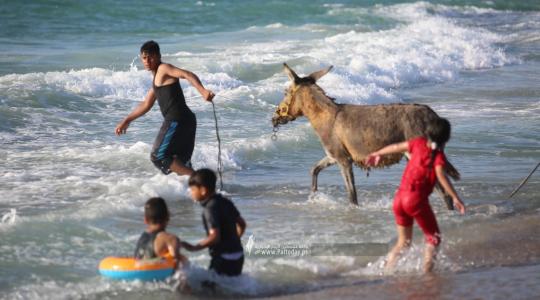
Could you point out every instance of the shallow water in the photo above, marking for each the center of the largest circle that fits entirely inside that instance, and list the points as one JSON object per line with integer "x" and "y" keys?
{"x": 72, "y": 192}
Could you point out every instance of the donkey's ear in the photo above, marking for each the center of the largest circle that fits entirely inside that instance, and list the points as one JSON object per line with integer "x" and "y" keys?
{"x": 292, "y": 75}
{"x": 317, "y": 75}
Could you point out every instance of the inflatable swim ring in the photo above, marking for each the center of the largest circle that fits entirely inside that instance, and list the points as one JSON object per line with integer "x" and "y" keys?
{"x": 128, "y": 268}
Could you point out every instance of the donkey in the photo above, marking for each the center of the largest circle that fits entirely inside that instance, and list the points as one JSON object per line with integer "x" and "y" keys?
{"x": 348, "y": 133}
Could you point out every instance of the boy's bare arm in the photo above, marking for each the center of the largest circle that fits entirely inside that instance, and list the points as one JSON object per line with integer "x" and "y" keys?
{"x": 449, "y": 188}
{"x": 193, "y": 79}
{"x": 165, "y": 244}
{"x": 240, "y": 226}
{"x": 212, "y": 238}
{"x": 173, "y": 245}
{"x": 140, "y": 110}
{"x": 169, "y": 244}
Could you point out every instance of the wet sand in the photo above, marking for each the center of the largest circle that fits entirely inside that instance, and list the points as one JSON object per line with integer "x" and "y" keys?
{"x": 498, "y": 260}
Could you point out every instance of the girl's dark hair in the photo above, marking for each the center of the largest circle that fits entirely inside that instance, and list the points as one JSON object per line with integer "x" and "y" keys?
{"x": 438, "y": 131}
{"x": 156, "y": 211}
{"x": 203, "y": 177}
{"x": 150, "y": 47}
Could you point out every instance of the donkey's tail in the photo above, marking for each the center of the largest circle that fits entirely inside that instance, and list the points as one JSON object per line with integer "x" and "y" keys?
{"x": 451, "y": 171}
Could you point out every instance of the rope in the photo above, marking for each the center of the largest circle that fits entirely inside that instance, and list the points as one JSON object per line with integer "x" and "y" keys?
{"x": 524, "y": 181}
{"x": 219, "y": 161}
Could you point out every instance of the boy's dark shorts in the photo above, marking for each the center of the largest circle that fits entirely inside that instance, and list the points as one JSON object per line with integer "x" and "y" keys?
{"x": 226, "y": 267}
{"x": 176, "y": 139}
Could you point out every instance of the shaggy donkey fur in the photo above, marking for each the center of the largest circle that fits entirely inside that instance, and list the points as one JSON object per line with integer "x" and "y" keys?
{"x": 348, "y": 133}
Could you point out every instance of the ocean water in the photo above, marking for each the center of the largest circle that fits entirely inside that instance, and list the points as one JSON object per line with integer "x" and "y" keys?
{"x": 72, "y": 193}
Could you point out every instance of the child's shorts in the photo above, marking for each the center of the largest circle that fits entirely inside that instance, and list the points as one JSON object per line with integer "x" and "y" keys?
{"x": 175, "y": 140}
{"x": 227, "y": 267}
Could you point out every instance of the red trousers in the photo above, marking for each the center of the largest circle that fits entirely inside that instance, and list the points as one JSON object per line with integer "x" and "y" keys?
{"x": 414, "y": 205}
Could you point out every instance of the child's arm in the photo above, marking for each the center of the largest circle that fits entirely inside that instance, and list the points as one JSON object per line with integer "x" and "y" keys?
{"x": 167, "y": 244}
{"x": 174, "y": 247}
{"x": 449, "y": 188}
{"x": 240, "y": 226}
{"x": 373, "y": 158}
{"x": 189, "y": 76}
{"x": 212, "y": 238}
{"x": 140, "y": 110}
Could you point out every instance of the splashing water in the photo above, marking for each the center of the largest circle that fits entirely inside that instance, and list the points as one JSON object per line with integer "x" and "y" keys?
{"x": 10, "y": 217}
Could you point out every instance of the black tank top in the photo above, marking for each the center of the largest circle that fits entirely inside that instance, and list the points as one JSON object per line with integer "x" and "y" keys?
{"x": 145, "y": 245}
{"x": 171, "y": 101}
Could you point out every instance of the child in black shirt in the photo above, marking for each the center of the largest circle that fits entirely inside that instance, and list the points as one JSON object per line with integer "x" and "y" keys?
{"x": 223, "y": 224}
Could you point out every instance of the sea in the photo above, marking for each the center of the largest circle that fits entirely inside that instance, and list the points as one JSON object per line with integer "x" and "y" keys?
{"x": 72, "y": 192}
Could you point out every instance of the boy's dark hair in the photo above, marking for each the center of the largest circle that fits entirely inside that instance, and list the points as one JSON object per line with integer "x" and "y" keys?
{"x": 151, "y": 48}
{"x": 438, "y": 131}
{"x": 203, "y": 177}
{"x": 156, "y": 211}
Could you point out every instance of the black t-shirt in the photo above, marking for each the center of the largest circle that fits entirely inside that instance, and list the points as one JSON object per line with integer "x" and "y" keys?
{"x": 220, "y": 213}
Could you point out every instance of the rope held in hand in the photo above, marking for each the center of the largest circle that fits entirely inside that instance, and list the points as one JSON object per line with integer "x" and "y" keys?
{"x": 219, "y": 161}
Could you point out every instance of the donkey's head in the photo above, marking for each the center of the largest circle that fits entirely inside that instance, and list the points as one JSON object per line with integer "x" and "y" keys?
{"x": 291, "y": 106}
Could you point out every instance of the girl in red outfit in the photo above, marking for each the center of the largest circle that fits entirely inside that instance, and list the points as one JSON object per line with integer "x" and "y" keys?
{"x": 425, "y": 167}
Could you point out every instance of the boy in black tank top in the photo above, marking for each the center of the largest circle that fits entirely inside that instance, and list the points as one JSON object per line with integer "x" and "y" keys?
{"x": 174, "y": 144}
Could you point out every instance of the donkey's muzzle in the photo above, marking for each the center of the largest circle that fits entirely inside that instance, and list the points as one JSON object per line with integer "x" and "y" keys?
{"x": 280, "y": 120}
{"x": 281, "y": 116}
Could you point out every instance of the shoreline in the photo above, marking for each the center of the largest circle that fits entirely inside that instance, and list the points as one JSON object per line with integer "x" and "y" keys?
{"x": 492, "y": 268}
{"x": 505, "y": 282}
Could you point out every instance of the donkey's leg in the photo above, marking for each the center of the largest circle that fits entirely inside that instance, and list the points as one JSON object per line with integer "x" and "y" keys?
{"x": 348, "y": 176}
{"x": 318, "y": 167}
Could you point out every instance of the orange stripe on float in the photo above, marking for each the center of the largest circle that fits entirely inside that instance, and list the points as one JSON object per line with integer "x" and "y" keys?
{"x": 132, "y": 264}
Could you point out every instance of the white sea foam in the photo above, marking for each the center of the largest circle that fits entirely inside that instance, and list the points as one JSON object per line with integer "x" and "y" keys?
{"x": 104, "y": 83}
{"x": 369, "y": 65}
{"x": 411, "y": 12}
{"x": 101, "y": 153}
{"x": 205, "y": 3}
{"x": 118, "y": 195}
{"x": 333, "y": 5}
{"x": 275, "y": 25}
{"x": 331, "y": 199}
{"x": 118, "y": 190}
{"x": 95, "y": 82}
{"x": 427, "y": 50}
{"x": 233, "y": 152}
{"x": 490, "y": 110}
{"x": 9, "y": 218}
{"x": 321, "y": 199}
{"x": 237, "y": 152}
{"x": 180, "y": 54}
